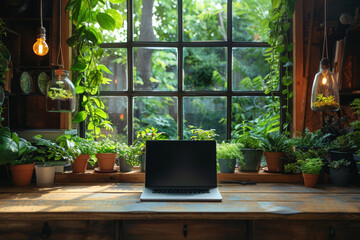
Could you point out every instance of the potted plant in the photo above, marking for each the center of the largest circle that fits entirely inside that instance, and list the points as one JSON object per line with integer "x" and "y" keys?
{"x": 82, "y": 150}
{"x": 201, "y": 134}
{"x": 274, "y": 146}
{"x": 340, "y": 173}
{"x": 47, "y": 153}
{"x": 106, "y": 152}
{"x": 310, "y": 169}
{"x": 356, "y": 157}
{"x": 18, "y": 153}
{"x": 128, "y": 156}
{"x": 250, "y": 150}
{"x": 141, "y": 138}
{"x": 227, "y": 154}
{"x": 309, "y": 140}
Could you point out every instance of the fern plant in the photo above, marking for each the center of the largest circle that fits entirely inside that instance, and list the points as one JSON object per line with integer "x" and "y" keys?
{"x": 325, "y": 103}
{"x": 275, "y": 142}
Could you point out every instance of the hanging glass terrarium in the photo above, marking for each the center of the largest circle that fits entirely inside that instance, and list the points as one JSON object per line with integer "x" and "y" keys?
{"x": 60, "y": 94}
{"x": 325, "y": 90}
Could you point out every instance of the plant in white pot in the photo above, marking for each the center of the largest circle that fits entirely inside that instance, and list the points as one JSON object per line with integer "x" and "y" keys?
{"x": 48, "y": 151}
{"x": 227, "y": 154}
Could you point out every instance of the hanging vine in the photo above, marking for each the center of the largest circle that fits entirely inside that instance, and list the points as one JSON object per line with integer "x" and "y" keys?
{"x": 86, "y": 39}
{"x": 279, "y": 55}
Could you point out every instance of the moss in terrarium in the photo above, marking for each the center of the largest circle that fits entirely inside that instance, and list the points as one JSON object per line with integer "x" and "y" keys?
{"x": 58, "y": 93}
{"x": 325, "y": 103}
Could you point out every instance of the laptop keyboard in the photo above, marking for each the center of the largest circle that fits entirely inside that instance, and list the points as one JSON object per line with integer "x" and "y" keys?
{"x": 190, "y": 191}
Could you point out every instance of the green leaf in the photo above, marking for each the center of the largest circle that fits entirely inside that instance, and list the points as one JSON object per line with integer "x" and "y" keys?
{"x": 81, "y": 116}
{"x": 4, "y": 52}
{"x": 79, "y": 89}
{"x": 116, "y": 16}
{"x": 92, "y": 35}
{"x": 106, "y": 21}
{"x": 288, "y": 64}
{"x": 104, "y": 69}
{"x": 101, "y": 113}
{"x": 79, "y": 65}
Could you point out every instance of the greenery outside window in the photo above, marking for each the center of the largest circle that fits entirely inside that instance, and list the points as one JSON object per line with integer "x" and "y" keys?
{"x": 177, "y": 63}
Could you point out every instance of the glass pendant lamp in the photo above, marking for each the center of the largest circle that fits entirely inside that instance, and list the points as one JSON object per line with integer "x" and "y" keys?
{"x": 325, "y": 89}
{"x": 60, "y": 92}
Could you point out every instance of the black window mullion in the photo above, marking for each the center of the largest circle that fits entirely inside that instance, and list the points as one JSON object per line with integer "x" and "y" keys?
{"x": 130, "y": 70}
{"x": 180, "y": 106}
{"x": 229, "y": 72}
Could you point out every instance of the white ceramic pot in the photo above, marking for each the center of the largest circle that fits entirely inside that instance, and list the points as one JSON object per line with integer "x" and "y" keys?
{"x": 44, "y": 175}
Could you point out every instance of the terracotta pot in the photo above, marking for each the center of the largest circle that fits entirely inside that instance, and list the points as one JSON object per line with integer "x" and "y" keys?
{"x": 273, "y": 161}
{"x": 106, "y": 161}
{"x": 310, "y": 180}
{"x": 21, "y": 174}
{"x": 80, "y": 163}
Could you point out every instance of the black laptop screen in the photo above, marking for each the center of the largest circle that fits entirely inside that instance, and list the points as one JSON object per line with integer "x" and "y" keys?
{"x": 180, "y": 164}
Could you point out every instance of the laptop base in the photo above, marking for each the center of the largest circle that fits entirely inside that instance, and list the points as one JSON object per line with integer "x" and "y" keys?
{"x": 148, "y": 195}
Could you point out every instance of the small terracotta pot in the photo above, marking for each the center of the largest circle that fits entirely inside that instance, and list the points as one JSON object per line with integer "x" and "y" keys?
{"x": 310, "y": 180}
{"x": 273, "y": 161}
{"x": 80, "y": 163}
{"x": 106, "y": 161}
{"x": 21, "y": 174}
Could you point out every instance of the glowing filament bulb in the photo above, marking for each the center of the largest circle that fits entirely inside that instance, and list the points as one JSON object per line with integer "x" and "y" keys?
{"x": 40, "y": 47}
{"x": 324, "y": 80}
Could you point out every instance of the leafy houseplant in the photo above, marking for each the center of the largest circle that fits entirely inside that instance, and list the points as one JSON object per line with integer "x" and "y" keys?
{"x": 128, "y": 156}
{"x": 106, "y": 155}
{"x": 227, "y": 153}
{"x": 310, "y": 169}
{"x": 86, "y": 38}
{"x": 46, "y": 152}
{"x": 274, "y": 146}
{"x": 310, "y": 140}
{"x": 81, "y": 149}
{"x": 141, "y": 138}
{"x": 325, "y": 103}
{"x": 251, "y": 151}
{"x": 5, "y": 55}
{"x": 340, "y": 173}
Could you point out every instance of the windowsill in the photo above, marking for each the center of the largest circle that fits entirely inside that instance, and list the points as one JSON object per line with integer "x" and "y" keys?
{"x": 139, "y": 177}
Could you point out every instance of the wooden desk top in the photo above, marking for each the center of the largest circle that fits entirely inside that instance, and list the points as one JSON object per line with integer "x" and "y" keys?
{"x": 106, "y": 201}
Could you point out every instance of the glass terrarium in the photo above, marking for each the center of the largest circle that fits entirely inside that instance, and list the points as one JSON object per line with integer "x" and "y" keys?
{"x": 325, "y": 90}
{"x": 60, "y": 94}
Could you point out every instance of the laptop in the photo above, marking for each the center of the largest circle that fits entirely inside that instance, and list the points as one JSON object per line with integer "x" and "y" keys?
{"x": 180, "y": 170}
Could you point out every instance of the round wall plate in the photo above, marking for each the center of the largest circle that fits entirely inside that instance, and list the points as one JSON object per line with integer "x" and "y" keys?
{"x": 25, "y": 82}
{"x": 42, "y": 82}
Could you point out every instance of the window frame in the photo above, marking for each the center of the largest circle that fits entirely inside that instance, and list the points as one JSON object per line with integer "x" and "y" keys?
{"x": 130, "y": 93}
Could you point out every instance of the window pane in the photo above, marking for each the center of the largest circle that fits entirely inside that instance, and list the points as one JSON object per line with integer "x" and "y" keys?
{"x": 155, "y": 69}
{"x": 117, "y": 109}
{"x": 155, "y": 20}
{"x": 205, "y": 69}
{"x": 157, "y": 112}
{"x": 207, "y": 113}
{"x": 204, "y": 20}
{"x": 118, "y": 35}
{"x": 247, "y": 20}
{"x": 115, "y": 59}
{"x": 249, "y": 69}
{"x": 262, "y": 113}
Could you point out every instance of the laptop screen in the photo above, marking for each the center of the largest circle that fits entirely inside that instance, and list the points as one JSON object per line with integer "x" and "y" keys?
{"x": 172, "y": 163}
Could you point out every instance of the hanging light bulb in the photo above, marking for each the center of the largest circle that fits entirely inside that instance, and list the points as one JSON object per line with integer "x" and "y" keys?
{"x": 40, "y": 47}
{"x": 325, "y": 89}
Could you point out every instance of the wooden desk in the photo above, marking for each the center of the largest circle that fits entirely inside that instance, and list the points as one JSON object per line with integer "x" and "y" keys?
{"x": 262, "y": 211}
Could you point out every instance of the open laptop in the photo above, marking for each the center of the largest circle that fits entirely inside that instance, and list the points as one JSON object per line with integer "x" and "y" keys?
{"x": 180, "y": 171}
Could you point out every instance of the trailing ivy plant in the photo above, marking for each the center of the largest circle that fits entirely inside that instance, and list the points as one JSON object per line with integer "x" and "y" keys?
{"x": 280, "y": 51}
{"x": 90, "y": 18}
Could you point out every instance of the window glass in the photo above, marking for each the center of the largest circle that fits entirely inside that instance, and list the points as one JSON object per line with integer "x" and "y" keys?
{"x": 115, "y": 59}
{"x": 248, "y": 20}
{"x": 155, "y": 69}
{"x": 249, "y": 69}
{"x": 261, "y": 113}
{"x": 206, "y": 113}
{"x": 204, "y": 20}
{"x": 157, "y": 112}
{"x": 155, "y": 20}
{"x": 205, "y": 69}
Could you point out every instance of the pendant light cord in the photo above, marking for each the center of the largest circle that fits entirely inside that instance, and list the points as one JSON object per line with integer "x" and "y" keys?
{"x": 325, "y": 43}
{"x": 60, "y": 56}
{"x": 41, "y": 20}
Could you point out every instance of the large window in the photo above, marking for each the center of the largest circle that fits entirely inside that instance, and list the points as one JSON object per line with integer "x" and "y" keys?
{"x": 178, "y": 63}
